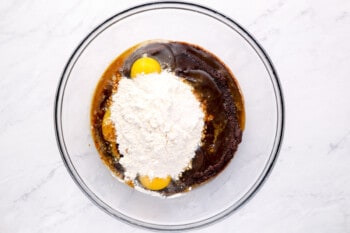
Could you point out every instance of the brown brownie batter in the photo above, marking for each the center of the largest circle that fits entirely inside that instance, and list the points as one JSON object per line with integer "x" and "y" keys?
{"x": 214, "y": 86}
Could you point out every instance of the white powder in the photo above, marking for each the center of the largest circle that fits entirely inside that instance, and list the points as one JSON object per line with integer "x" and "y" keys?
{"x": 158, "y": 123}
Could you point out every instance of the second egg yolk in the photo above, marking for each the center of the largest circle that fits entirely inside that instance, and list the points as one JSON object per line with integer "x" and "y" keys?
{"x": 154, "y": 183}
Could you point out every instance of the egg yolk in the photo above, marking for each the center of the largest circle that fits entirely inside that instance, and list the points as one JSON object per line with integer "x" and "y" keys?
{"x": 154, "y": 183}
{"x": 108, "y": 127}
{"x": 145, "y": 65}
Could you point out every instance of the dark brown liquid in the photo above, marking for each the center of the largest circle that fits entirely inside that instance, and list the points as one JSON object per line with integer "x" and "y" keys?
{"x": 214, "y": 86}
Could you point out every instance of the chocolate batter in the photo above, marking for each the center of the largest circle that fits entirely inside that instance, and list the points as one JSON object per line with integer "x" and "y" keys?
{"x": 214, "y": 86}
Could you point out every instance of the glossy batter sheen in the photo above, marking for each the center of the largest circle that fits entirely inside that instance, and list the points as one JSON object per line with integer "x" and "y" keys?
{"x": 214, "y": 86}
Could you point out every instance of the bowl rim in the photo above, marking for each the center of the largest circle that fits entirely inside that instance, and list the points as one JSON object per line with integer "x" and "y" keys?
{"x": 210, "y": 13}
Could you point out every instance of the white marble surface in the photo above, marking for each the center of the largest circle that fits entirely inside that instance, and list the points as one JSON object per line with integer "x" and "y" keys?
{"x": 309, "y": 188}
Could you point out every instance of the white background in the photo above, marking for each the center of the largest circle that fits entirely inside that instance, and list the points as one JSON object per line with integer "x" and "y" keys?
{"x": 309, "y": 187}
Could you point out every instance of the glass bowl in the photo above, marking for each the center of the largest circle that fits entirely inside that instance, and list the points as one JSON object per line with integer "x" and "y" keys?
{"x": 177, "y": 22}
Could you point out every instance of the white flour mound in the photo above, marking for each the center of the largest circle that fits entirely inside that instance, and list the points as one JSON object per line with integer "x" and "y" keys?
{"x": 159, "y": 124}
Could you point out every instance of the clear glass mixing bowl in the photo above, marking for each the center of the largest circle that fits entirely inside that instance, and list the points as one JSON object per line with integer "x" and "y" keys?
{"x": 179, "y": 22}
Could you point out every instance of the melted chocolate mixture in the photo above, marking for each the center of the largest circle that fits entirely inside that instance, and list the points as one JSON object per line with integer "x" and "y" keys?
{"x": 217, "y": 91}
